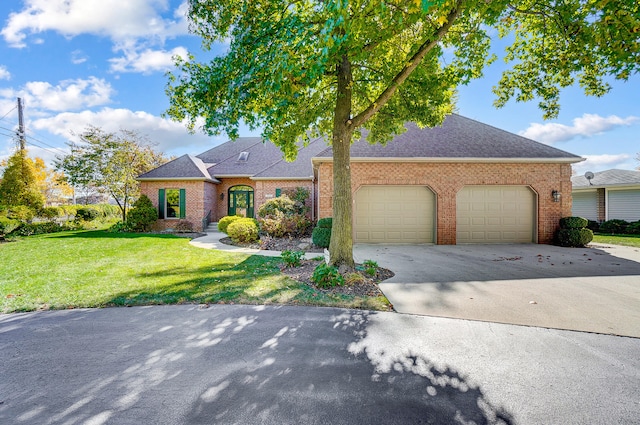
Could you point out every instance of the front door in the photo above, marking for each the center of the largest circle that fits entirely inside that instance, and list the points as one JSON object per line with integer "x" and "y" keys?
{"x": 241, "y": 201}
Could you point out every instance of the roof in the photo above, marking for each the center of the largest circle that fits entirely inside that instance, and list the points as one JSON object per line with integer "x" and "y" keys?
{"x": 186, "y": 167}
{"x": 300, "y": 168}
{"x": 458, "y": 138}
{"x": 607, "y": 178}
{"x": 261, "y": 155}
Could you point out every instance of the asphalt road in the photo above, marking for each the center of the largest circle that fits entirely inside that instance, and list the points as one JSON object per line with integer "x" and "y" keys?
{"x": 277, "y": 365}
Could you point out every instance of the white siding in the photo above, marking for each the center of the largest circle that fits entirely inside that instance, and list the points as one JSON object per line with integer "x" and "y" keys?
{"x": 585, "y": 204}
{"x": 624, "y": 204}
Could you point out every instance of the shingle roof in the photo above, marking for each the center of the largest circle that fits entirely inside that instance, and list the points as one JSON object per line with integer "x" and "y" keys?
{"x": 261, "y": 155}
{"x": 228, "y": 150}
{"x": 300, "y": 168}
{"x": 458, "y": 137}
{"x": 608, "y": 178}
{"x": 184, "y": 167}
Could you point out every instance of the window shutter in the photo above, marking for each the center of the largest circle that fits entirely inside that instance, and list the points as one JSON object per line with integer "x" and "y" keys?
{"x": 160, "y": 204}
{"x": 183, "y": 206}
{"x": 278, "y": 192}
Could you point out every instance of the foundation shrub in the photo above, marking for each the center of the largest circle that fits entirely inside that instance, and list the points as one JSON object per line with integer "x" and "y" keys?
{"x": 224, "y": 222}
{"x": 243, "y": 230}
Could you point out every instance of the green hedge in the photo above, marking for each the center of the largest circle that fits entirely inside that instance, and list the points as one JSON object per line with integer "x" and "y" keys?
{"x": 325, "y": 223}
{"x": 321, "y": 237}
{"x": 243, "y": 230}
{"x": 8, "y": 225}
{"x": 224, "y": 222}
{"x": 573, "y": 222}
{"x": 576, "y": 238}
{"x": 614, "y": 226}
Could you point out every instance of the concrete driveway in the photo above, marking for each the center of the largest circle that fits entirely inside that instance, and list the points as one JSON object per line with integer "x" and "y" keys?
{"x": 595, "y": 289}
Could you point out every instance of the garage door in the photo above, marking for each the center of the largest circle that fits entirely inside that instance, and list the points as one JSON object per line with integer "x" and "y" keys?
{"x": 495, "y": 214}
{"x": 624, "y": 204}
{"x": 394, "y": 214}
{"x": 585, "y": 204}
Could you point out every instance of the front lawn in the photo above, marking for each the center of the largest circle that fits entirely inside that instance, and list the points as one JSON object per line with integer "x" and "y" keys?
{"x": 628, "y": 240}
{"x": 100, "y": 269}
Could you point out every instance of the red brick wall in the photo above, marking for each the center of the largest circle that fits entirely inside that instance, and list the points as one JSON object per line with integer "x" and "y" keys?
{"x": 266, "y": 190}
{"x": 446, "y": 179}
{"x": 200, "y": 199}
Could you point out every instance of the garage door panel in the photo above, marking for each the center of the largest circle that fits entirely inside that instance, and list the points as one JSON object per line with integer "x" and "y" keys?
{"x": 495, "y": 214}
{"x": 394, "y": 214}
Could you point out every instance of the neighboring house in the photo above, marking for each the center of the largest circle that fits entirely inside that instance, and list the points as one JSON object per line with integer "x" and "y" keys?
{"x": 610, "y": 194}
{"x": 463, "y": 182}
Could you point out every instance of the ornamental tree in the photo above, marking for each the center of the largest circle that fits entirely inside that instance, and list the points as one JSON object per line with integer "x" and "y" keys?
{"x": 110, "y": 162}
{"x": 18, "y": 185}
{"x": 300, "y": 69}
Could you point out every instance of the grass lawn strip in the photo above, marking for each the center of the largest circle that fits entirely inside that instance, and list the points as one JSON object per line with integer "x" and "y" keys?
{"x": 627, "y": 240}
{"x": 100, "y": 269}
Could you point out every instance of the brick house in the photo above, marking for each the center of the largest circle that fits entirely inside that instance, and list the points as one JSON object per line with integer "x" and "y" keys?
{"x": 607, "y": 195}
{"x": 462, "y": 182}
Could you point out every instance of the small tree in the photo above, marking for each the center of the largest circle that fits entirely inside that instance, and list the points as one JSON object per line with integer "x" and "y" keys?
{"x": 18, "y": 186}
{"x": 111, "y": 162}
{"x": 143, "y": 215}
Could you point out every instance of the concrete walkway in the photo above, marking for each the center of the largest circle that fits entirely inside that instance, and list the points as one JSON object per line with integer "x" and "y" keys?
{"x": 212, "y": 241}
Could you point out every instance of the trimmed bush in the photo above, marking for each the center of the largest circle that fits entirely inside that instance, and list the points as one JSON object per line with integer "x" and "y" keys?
{"x": 183, "y": 226}
{"x": 321, "y": 237}
{"x": 614, "y": 226}
{"x": 634, "y": 228}
{"x": 325, "y": 223}
{"x": 283, "y": 203}
{"x": 87, "y": 214}
{"x": 243, "y": 230}
{"x": 573, "y": 222}
{"x": 224, "y": 222}
{"x": 7, "y": 226}
{"x": 576, "y": 238}
{"x": 594, "y": 226}
{"x": 142, "y": 216}
{"x": 21, "y": 213}
{"x": 50, "y": 213}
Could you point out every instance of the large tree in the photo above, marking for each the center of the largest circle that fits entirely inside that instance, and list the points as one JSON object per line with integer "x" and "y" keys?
{"x": 18, "y": 185}
{"x": 110, "y": 162}
{"x": 298, "y": 69}
{"x": 51, "y": 183}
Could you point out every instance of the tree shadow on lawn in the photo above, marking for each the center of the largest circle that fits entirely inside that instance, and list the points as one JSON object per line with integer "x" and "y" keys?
{"x": 229, "y": 364}
{"x": 254, "y": 278}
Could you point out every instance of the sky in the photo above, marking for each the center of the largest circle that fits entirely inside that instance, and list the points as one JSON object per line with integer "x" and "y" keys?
{"x": 77, "y": 63}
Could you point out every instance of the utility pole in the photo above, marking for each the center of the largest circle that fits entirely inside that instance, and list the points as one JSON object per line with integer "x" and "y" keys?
{"x": 21, "y": 138}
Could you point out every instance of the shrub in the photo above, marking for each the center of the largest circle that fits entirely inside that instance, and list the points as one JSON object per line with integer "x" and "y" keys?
{"x": 613, "y": 226}
{"x": 292, "y": 258}
{"x": 243, "y": 230}
{"x": 30, "y": 229}
{"x": 226, "y": 221}
{"x": 354, "y": 278}
{"x": 278, "y": 225}
{"x": 50, "y": 213}
{"x": 321, "y": 237}
{"x": 87, "y": 214}
{"x": 299, "y": 196}
{"x": 370, "y": 267}
{"x": 283, "y": 203}
{"x": 325, "y": 223}
{"x": 573, "y": 222}
{"x": 142, "y": 216}
{"x": 593, "y": 225}
{"x": 7, "y": 226}
{"x": 325, "y": 276}
{"x": 634, "y": 228}
{"x": 119, "y": 227}
{"x": 183, "y": 226}
{"x": 70, "y": 210}
{"x": 574, "y": 237}
{"x": 21, "y": 213}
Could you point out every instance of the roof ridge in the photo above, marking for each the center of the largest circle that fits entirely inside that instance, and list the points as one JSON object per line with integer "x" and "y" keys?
{"x": 283, "y": 160}
{"x": 261, "y": 140}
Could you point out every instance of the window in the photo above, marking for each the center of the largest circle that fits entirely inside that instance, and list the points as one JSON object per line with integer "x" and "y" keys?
{"x": 243, "y": 157}
{"x": 171, "y": 203}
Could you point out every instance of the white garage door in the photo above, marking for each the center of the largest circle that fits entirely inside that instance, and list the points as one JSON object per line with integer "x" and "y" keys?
{"x": 394, "y": 214}
{"x": 624, "y": 204}
{"x": 585, "y": 204}
{"x": 495, "y": 214}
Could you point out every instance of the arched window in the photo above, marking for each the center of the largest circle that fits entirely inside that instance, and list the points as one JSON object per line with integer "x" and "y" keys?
{"x": 241, "y": 201}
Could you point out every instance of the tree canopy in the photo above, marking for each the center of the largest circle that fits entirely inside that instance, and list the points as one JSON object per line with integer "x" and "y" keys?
{"x": 18, "y": 185}
{"x": 110, "y": 162}
{"x": 298, "y": 69}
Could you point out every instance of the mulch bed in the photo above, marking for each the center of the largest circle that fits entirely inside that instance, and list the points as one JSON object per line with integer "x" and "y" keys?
{"x": 367, "y": 286}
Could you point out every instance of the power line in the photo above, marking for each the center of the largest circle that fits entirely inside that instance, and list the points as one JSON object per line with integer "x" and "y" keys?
{"x": 10, "y": 111}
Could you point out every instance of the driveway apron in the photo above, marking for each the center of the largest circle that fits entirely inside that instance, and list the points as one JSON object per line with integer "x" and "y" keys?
{"x": 595, "y": 289}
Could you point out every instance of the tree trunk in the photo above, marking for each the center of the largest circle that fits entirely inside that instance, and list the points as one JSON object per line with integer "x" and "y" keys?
{"x": 341, "y": 246}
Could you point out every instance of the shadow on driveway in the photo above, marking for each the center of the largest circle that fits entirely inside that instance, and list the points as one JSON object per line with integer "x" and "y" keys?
{"x": 594, "y": 289}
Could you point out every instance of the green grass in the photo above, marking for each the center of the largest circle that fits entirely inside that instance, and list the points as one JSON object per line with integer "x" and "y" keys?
{"x": 628, "y": 240}
{"x": 100, "y": 269}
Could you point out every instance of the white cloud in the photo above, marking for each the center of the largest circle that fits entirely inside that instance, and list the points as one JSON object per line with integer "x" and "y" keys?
{"x": 168, "y": 135}
{"x": 596, "y": 163}
{"x": 147, "y": 61}
{"x": 66, "y": 95}
{"x": 4, "y": 73}
{"x": 117, "y": 19}
{"x": 78, "y": 57}
{"x": 586, "y": 126}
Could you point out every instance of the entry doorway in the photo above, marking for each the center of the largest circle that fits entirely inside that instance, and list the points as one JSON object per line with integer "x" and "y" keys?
{"x": 241, "y": 201}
